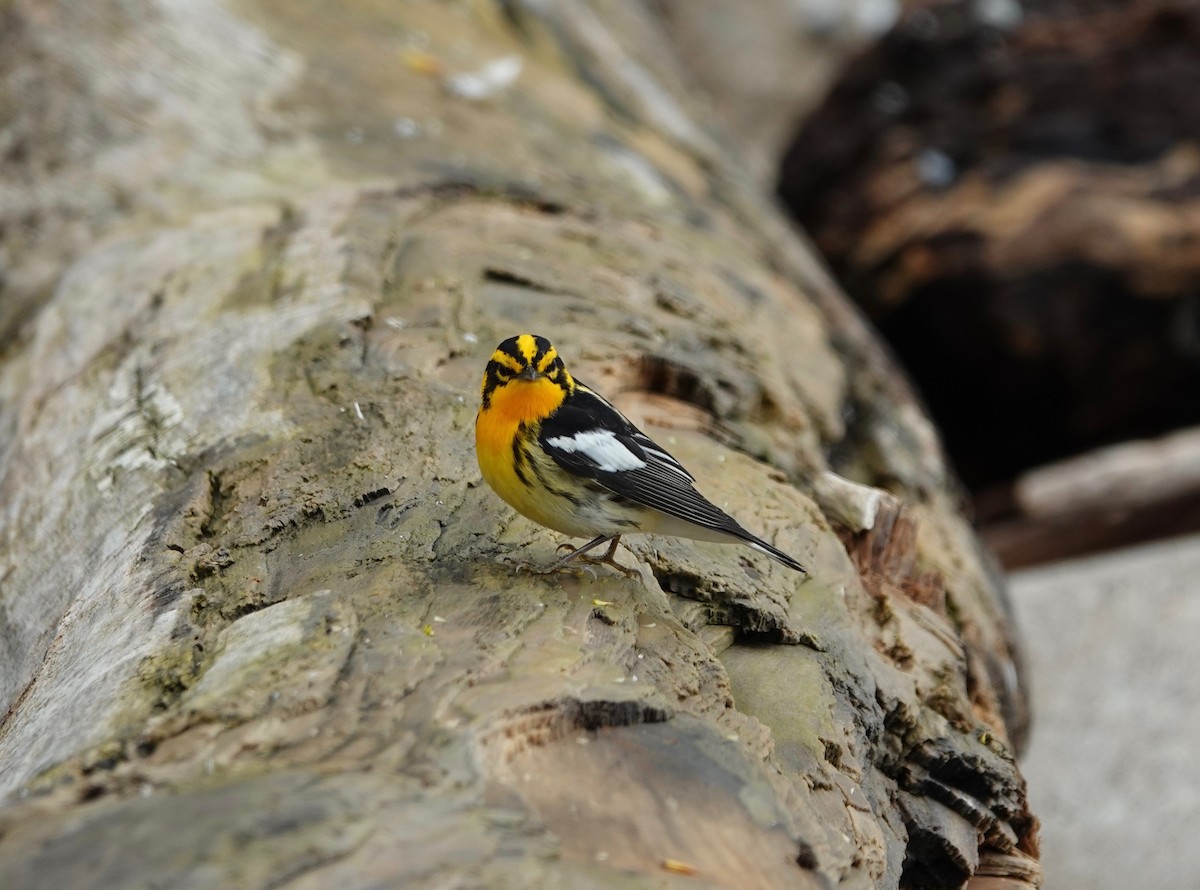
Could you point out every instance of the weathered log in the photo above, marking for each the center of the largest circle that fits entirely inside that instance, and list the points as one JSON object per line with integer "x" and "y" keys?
{"x": 765, "y": 65}
{"x": 263, "y": 625}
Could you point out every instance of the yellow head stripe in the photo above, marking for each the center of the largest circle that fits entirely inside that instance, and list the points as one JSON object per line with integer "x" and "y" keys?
{"x": 501, "y": 357}
{"x": 528, "y": 347}
{"x": 547, "y": 360}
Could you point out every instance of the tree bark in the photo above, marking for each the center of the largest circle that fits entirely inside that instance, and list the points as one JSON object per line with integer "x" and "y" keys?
{"x": 262, "y": 623}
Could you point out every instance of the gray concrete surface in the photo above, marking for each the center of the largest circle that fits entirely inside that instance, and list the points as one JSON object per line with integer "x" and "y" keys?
{"x": 1113, "y": 645}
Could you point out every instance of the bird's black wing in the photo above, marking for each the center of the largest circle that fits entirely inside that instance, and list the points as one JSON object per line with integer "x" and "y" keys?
{"x": 588, "y": 437}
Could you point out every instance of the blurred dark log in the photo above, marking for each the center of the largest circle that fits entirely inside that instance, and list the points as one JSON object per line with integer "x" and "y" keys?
{"x": 1012, "y": 191}
{"x": 261, "y": 623}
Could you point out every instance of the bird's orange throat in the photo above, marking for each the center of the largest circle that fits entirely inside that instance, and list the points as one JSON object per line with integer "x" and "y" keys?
{"x": 524, "y": 401}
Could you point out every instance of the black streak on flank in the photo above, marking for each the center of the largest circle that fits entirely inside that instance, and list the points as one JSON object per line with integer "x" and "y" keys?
{"x": 519, "y": 461}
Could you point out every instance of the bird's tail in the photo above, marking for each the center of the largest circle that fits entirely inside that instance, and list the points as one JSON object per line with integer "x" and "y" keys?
{"x": 774, "y": 552}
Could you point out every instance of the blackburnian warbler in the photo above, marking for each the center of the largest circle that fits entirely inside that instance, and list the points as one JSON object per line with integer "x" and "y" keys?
{"x": 567, "y": 459}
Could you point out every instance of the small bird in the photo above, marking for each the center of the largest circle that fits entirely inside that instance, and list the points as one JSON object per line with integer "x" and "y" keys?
{"x": 564, "y": 457}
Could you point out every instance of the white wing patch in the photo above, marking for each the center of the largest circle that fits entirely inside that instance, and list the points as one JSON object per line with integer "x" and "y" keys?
{"x": 602, "y": 447}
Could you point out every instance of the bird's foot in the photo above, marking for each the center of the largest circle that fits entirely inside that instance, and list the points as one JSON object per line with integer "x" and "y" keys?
{"x": 580, "y": 555}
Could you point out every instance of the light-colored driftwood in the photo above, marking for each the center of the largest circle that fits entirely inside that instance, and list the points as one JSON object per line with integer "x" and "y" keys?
{"x": 1122, "y": 477}
{"x": 1108, "y": 497}
{"x": 262, "y": 624}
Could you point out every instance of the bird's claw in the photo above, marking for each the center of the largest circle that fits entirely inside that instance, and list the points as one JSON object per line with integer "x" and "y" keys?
{"x": 627, "y": 571}
{"x": 609, "y": 561}
{"x": 579, "y": 555}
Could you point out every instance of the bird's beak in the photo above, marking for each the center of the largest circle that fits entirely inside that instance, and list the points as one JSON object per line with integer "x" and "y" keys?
{"x": 530, "y": 373}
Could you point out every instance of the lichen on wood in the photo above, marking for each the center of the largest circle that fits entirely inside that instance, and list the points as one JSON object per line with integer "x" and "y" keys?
{"x": 249, "y": 562}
